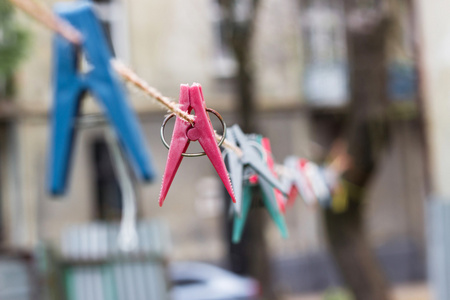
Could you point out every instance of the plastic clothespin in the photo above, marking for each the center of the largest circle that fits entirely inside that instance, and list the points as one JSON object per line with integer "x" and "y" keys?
{"x": 236, "y": 172}
{"x": 316, "y": 181}
{"x": 296, "y": 182}
{"x": 250, "y": 180}
{"x": 330, "y": 184}
{"x": 251, "y": 158}
{"x": 268, "y": 197}
{"x": 265, "y": 142}
{"x": 70, "y": 86}
{"x": 254, "y": 160}
{"x": 240, "y": 220}
{"x": 191, "y": 98}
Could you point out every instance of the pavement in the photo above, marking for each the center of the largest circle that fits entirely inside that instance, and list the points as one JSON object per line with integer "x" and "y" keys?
{"x": 419, "y": 291}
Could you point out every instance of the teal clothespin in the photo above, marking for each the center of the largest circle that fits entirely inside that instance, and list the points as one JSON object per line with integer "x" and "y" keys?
{"x": 270, "y": 201}
{"x": 240, "y": 219}
{"x": 248, "y": 182}
{"x": 251, "y": 158}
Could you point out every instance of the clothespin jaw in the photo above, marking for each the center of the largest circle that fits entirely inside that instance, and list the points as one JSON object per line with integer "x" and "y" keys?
{"x": 296, "y": 178}
{"x": 102, "y": 82}
{"x": 269, "y": 194}
{"x": 317, "y": 181}
{"x": 337, "y": 189}
{"x": 292, "y": 196}
{"x": 287, "y": 179}
{"x": 240, "y": 219}
{"x": 248, "y": 184}
{"x": 179, "y": 144}
{"x": 236, "y": 171}
{"x": 204, "y": 133}
{"x": 191, "y": 98}
{"x": 327, "y": 200}
{"x": 265, "y": 142}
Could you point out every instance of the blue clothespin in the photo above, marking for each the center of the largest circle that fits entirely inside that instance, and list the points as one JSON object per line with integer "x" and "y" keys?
{"x": 251, "y": 163}
{"x": 70, "y": 86}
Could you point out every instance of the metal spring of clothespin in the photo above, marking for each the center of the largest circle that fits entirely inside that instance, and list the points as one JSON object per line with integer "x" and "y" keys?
{"x": 198, "y": 154}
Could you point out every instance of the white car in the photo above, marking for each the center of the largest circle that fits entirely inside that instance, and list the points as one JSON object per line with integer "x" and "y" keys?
{"x": 200, "y": 281}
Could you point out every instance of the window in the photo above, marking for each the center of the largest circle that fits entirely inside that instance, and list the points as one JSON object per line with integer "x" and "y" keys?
{"x": 113, "y": 15}
{"x": 224, "y": 59}
{"x": 107, "y": 190}
{"x": 325, "y": 53}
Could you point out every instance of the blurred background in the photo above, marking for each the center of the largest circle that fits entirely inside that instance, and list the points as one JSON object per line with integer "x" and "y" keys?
{"x": 309, "y": 75}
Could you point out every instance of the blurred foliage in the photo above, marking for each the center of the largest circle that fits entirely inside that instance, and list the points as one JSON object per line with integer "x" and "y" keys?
{"x": 338, "y": 294}
{"x": 13, "y": 41}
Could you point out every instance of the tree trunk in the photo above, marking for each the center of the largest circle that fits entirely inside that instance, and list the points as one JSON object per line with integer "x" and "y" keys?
{"x": 244, "y": 80}
{"x": 353, "y": 254}
{"x": 250, "y": 256}
{"x": 366, "y": 135}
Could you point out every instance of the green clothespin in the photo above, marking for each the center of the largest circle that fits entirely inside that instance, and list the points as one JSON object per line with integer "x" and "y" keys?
{"x": 251, "y": 179}
{"x": 270, "y": 201}
{"x": 240, "y": 220}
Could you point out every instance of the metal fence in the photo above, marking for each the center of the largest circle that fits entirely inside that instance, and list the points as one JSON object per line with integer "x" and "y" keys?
{"x": 95, "y": 267}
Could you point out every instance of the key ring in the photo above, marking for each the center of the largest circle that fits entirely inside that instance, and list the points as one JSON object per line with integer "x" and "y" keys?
{"x": 198, "y": 154}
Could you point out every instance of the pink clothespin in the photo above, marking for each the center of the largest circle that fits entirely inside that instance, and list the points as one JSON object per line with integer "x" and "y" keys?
{"x": 303, "y": 168}
{"x": 191, "y": 98}
{"x": 271, "y": 164}
{"x": 292, "y": 196}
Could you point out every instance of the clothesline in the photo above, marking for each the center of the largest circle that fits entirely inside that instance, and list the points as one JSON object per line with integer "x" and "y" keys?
{"x": 133, "y": 78}
{"x": 53, "y": 22}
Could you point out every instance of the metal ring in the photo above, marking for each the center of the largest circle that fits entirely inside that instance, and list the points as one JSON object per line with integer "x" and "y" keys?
{"x": 198, "y": 154}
